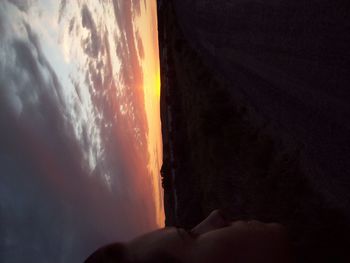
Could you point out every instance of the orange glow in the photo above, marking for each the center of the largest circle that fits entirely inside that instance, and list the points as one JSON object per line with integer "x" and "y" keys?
{"x": 148, "y": 28}
{"x": 157, "y": 84}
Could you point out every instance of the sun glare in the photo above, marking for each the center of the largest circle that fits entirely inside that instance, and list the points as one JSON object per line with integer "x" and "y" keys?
{"x": 147, "y": 26}
{"x": 157, "y": 84}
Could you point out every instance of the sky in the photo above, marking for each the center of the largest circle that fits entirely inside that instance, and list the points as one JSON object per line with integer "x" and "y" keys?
{"x": 80, "y": 136}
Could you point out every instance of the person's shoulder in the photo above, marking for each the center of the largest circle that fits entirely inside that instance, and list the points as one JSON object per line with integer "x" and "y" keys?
{"x": 115, "y": 252}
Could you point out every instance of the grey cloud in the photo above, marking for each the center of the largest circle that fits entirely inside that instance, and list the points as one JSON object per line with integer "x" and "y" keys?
{"x": 95, "y": 75}
{"x": 22, "y": 5}
{"x": 2, "y": 26}
{"x": 25, "y": 204}
{"x": 71, "y": 25}
{"x": 23, "y": 81}
{"x": 108, "y": 68}
{"x": 35, "y": 89}
{"x": 62, "y": 9}
{"x": 33, "y": 220}
{"x": 92, "y": 45}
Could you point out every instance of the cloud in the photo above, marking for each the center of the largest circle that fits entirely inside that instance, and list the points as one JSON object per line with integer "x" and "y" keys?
{"x": 136, "y": 7}
{"x": 22, "y": 5}
{"x": 62, "y": 9}
{"x": 71, "y": 25}
{"x": 140, "y": 48}
{"x": 50, "y": 199}
{"x": 32, "y": 137}
{"x": 127, "y": 50}
{"x": 91, "y": 45}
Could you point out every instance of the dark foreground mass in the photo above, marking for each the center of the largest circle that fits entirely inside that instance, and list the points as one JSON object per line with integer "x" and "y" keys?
{"x": 255, "y": 116}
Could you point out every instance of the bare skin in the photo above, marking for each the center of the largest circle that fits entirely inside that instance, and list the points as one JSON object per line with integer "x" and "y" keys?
{"x": 214, "y": 240}
{"x": 217, "y": 240}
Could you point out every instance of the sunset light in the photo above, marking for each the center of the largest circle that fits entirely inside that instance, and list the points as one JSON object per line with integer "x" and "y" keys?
{"x": 81, "y": 93}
